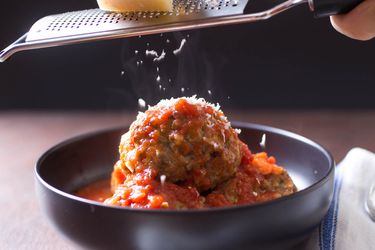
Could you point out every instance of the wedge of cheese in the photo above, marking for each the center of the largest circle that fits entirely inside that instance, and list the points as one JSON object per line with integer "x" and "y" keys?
{"x": 135, "y": 5}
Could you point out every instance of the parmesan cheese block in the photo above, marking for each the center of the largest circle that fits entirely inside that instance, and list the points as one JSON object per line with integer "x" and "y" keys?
{"x": 135, "y": 5}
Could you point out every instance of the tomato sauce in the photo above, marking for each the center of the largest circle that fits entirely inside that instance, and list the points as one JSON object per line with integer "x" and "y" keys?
{"x": 97, "y": 191}
{"x": 258, "y": 178}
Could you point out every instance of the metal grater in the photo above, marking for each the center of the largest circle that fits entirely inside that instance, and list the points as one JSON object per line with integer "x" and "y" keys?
{"x": 95, "y": 21}
{"x": 95, "y": 24}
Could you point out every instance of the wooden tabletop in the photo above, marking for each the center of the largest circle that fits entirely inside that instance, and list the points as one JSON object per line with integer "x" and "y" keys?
{"x": 25, "y": 136}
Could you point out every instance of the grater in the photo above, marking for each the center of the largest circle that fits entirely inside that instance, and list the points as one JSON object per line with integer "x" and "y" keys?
{"x": 95, "y": 24}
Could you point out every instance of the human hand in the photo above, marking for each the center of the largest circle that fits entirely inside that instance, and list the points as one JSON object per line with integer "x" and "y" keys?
{"x": 359, "y": 23}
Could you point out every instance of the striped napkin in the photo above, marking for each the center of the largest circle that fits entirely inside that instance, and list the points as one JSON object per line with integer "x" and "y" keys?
{"x": 347, "y": 226}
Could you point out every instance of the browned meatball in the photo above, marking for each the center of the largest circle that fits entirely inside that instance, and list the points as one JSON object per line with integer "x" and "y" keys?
{"x": 257, "y": 179}
{"x": 187, "y": 140}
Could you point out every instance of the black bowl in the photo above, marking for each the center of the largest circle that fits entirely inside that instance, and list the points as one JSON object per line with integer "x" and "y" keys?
{"x": 277, "y": 224}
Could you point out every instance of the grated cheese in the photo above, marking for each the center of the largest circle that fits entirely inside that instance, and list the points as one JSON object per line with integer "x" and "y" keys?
{"x": 161, "y": 57}
{"x": 162, "y": 179}
{"x": 178, "y": 51}
{"x": 151, "y": 53}
{"x": 263, "y": 142}
{"x": 141, "y": 103}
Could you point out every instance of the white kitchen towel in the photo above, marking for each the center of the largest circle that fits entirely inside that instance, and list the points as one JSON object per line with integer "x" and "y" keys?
{"x": 347, "y": 226}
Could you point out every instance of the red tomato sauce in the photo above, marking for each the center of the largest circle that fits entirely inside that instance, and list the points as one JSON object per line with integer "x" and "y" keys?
{"x": 257, "y": 179}
{"x": 97, "y": 191}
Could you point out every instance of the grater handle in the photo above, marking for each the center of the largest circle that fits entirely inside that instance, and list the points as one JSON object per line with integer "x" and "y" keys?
{"x": 324, "y": 8}
{"x": 13, "y": 48}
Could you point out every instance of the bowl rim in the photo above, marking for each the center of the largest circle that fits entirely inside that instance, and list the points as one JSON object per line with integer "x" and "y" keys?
{"x": 235, "y": 124}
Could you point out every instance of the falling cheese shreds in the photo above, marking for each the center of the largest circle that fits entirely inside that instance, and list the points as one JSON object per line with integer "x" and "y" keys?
{"x": 141, "y": 103}
{"x": 162, "y": 179}
{"x": 161, "y": 57}
{"x": 263, "y": 142}
{"x": 178, "y": 51}
{"x": 151, "y": 53}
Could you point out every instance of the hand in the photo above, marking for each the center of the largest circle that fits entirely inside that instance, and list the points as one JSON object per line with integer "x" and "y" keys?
{"x": 359, "y": 23}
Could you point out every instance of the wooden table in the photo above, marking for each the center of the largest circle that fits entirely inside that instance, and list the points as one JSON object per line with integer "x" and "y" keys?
{"x": 25, "y": 136}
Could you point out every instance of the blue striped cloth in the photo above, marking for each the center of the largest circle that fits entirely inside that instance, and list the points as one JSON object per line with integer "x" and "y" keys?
{"x": 347, "y": 226}
{"x": 327, "y": 229}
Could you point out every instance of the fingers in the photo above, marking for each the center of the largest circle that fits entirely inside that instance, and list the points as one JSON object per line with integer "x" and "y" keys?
{"x": 359, "y": 23}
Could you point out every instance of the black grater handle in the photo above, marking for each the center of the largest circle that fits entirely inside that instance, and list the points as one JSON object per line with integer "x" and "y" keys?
{"x": 324, "y": 8}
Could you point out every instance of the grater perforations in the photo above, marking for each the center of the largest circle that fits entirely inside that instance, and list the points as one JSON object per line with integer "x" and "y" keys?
{"x": 96, "y": 17}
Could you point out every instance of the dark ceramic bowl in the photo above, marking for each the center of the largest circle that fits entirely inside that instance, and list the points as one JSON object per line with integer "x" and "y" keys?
{"x": 277, "y": 224}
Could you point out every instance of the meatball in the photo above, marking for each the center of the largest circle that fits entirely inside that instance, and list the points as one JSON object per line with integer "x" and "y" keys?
{"x": 183, "y": 153}
{"x": 187, "y": 140}
{"x": 257, "y": 179}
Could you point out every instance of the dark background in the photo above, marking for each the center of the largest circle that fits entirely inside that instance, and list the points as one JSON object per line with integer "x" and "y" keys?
{"x": 290, "y": 61}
